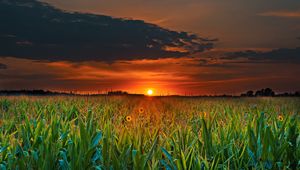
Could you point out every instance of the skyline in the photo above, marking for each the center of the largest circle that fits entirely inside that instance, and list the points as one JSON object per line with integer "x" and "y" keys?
{"x": 224, "y": 48}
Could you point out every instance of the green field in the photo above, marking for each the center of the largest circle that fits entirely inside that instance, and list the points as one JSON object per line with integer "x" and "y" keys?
{"x": 149, "y": 133}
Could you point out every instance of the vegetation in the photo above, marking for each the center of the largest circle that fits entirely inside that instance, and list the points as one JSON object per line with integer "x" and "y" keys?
{"x": 267, "y": 92}
{"x": 135, "y": 132}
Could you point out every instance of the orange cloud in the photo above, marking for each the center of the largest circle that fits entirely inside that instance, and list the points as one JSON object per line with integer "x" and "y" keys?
{"x": 286, "y": 14}
{"x": 198, "y": 75}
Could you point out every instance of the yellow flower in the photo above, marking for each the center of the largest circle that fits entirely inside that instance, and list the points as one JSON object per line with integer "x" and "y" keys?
{"x": 128, "y": 118}
{"x": 203, "y": 114}
{"x": 280, "y": 118}
{"x": 221, "y": 123}
{"x": 141, "y": 110}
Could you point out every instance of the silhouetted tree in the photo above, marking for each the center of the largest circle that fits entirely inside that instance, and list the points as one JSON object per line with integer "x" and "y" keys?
{"x": 250, "y": 93}
{"x": 268, "y": 92}
{"x": 258, "y": 93}
{"x": 31, "y": 92}
{"x": 117, "y": 93}
{"x": 265, "y": 92}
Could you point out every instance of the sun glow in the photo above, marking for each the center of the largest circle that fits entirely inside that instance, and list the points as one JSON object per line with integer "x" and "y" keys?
{"x": 149, "y": 92}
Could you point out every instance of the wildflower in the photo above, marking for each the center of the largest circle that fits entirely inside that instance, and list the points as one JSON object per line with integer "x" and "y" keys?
{"x": 141, "y": 110}
{"x": 221, "y": 123}
{"x": 128, "y": 118}
{"x": 203, "y": 114}
{"x": 280, "y": 118}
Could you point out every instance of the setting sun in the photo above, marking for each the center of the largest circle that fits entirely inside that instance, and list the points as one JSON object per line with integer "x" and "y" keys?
{"x": 149, "y": 92}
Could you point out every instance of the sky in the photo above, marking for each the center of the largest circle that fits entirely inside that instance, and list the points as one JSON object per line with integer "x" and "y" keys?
{"x": 191, "y": 47}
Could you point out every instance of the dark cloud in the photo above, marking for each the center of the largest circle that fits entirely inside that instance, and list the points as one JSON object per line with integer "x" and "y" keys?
{"x": 3, "y": 66}
{"x": 215, "y": 63}
{"x": 284, "y": 55}
{"x": 48, "y": 77}
{"x": 34, "y": 30}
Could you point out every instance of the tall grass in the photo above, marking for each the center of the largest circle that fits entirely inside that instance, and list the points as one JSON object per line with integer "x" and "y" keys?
{"x": 149, "y": 133}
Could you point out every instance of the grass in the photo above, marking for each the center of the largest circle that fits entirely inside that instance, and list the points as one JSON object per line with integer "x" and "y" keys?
{"x": 149, "y": 133}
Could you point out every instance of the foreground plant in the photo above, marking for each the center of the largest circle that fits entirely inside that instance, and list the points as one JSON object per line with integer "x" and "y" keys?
{"x": 167, "y": 133}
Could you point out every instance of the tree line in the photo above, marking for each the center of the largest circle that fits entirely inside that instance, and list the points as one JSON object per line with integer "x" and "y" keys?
{"x": 268, "y": 92}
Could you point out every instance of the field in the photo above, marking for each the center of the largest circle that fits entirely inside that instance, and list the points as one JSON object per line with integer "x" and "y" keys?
{"x": 149, "y": 133}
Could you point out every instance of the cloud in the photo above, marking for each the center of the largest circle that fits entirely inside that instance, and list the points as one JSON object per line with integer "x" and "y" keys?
{"x": 179, "y": 75}
{"x": 3, "y": 66}
{"x": 282, "y": 55}
{"x": 34, "y": 30}
{"x": 282, "y": 14}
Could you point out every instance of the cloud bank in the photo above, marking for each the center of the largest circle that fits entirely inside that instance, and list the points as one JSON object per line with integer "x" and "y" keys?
{"x": 35, "y": 30}
{"x": 282, "y": 14}
{"x": 282, "y": 55}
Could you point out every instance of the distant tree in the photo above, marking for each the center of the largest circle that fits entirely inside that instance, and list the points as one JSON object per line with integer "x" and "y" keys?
{"x": 250, "y": 93}
{"x": 258, "y": 93}
{"x": 268, "y": 92}
{"x": 31, "y": 92}
{"x": 117, "y": 93}
{"x": 265, "y": 92}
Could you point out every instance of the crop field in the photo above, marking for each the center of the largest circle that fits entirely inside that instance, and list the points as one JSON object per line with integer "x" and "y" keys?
{"x": 132, "y": 132}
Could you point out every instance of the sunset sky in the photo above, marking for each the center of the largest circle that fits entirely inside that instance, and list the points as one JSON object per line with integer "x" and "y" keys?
{"x": 171, "y": 46}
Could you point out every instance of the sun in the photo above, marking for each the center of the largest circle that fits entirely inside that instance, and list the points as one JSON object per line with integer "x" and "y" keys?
{"x": 149, "y": 92}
